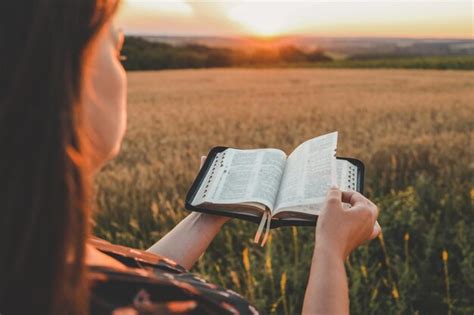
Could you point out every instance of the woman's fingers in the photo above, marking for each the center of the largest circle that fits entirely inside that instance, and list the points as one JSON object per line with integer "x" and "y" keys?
{"x": 334, "y": 195}
{"x": 376, "y": 231}
{"x": 373, "y": 205}
{"x": 354, "y": 198}
{"x": 357, "y": 199}
{"x": 363, "y": 208}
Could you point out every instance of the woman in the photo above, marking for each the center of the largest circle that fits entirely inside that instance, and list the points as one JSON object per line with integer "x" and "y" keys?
{"x": 62, "y": 116}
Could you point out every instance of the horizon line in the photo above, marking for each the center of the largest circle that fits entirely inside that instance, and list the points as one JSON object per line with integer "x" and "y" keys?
{"x": 270, "y": 38}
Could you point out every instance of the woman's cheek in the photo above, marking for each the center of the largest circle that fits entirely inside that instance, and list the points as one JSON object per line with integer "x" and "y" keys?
{"x": 118, "y": 102}
{"x": 105, "y": 104}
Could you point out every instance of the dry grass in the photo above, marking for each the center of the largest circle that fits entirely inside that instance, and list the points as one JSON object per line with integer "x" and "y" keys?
{"x": 413, "y": 129}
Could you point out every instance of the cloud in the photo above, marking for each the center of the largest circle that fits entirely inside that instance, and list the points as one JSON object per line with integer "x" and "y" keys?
{"x": 272, "y": 17}
{"x": 162, "y": 7}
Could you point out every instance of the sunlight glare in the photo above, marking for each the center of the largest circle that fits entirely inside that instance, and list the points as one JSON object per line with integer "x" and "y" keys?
{"x": 261, "y": 19}
{"x": 166, "y": 7}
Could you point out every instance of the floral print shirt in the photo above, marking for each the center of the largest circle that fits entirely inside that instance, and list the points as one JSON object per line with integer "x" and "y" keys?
{"x": 156, "y": 285}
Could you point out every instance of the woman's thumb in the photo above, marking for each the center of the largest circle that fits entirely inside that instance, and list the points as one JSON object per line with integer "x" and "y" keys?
{"x": 203, "y": 160}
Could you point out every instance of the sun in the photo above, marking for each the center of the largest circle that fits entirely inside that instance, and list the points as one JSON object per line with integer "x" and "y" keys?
{"x": 260, "y": 19}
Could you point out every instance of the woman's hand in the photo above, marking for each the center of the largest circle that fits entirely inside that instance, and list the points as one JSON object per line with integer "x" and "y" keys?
{"x": 338, "y": 232}
{"x": 340, "y": 229}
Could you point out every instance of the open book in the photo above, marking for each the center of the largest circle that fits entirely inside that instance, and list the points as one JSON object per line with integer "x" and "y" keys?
{"x": 268, "y": 186}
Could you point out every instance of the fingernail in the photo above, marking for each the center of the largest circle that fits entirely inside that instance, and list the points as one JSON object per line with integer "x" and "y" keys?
{"x": 377, "y": 224}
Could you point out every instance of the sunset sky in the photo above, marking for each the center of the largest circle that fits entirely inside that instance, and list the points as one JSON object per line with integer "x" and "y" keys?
{"x": 382, "y": 18}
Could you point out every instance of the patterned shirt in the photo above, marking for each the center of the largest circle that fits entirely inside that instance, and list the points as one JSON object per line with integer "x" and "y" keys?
{"x": 156, "y": 285}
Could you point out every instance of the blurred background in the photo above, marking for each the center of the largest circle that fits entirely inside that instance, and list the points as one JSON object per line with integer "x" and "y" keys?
{"x": 393, "y": 77}
{"x": 202, "y": 34}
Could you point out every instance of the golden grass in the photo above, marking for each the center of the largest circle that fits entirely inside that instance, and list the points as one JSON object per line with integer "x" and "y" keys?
{"x": 413, "y": 129}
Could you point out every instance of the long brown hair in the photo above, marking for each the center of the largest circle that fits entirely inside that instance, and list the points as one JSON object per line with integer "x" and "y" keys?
{"x": 44, "y": 189}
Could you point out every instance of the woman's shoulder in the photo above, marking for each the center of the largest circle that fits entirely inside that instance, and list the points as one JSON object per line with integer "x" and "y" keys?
{"x": 156, "y": 285}
{"x": 132, "y": 257}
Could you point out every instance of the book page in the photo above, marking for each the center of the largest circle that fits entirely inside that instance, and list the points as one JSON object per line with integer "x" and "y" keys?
{"x": 243, "y": 176}
{"x": 341, "y": 171}
{"x": 310, "y": 171}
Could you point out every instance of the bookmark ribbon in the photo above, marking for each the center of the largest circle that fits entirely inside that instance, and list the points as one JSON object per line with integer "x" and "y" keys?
{"x": 266, "y": 218}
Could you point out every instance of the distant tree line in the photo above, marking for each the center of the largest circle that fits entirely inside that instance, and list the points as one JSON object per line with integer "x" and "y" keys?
{"x": 412, "y": 62}
{"x": 146, "y": 55}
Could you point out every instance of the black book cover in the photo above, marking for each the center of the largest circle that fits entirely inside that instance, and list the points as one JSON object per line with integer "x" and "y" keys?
{"x": 275, "y": 222}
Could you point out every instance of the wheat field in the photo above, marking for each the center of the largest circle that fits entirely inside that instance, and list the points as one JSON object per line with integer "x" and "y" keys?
{"x": 413, "y": 130}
